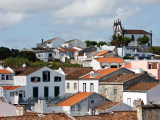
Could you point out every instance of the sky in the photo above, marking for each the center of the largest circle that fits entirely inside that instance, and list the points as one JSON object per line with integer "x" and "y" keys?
{"x": 23, "y": 23}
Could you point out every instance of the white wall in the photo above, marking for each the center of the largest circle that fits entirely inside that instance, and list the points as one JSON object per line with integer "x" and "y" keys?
{"x": 153, "y": 94}
{"x": 56, "y": 43}
{"x": 134, "y": 96}
{"x": 44, "y": 56}
{"x": 75, "y": 43}
{"x": 1, "y": 91}
{"x": 95, "y": 82}
{"x": 20, "y": 80}
{"x": 71, "y": 86}
{"x": 106, "y": 47}
{"x": 41, "y": 84}
{"x": 4, "y": 82}
{"x": 95, "y": 64}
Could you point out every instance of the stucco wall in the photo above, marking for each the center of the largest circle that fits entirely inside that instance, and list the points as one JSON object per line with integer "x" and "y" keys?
{"x": 71, "y": 86}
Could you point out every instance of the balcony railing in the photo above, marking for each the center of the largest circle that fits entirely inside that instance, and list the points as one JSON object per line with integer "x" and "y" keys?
{"x": 35, "y": 99}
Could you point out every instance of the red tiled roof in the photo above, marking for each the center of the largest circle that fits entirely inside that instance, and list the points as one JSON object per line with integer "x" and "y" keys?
{"x": 102, "y": 73}
{"x": 78, "y": 73}
{"x": 60, "y": 50}
{"x": 4, "y": 71}
{"x": 50, "y": 40}
{"x": 73, "y": 49}
{"x": 10, "y": 87}
{"x": 106, "y": 105}
{"x": 135, "y": 32}
{"x": 75, "y": 98}
{"x": 121, "y": 77}
{"x": 70, "y": 41}
{"x": 110, "y": 60}
{"x": 101, "y": 53}
{"x": 143, "y": 86}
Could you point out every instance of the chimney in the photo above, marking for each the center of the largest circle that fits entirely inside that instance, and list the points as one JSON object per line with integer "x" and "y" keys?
{"x": 20, "y": 110}
{"x": 92, "y": 74}
{"x": 42, "y": 41}
{"x": 24, "y": 65}
{"x": 90, "y": 111}
{"x": 136, "y": 103}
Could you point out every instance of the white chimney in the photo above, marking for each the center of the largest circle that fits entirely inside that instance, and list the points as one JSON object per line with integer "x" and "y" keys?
{"x": 92, "y": 74}
{"x": 24, "y": 65}
{"x": 90, "y": 111}
{"x": 84, "y": 57}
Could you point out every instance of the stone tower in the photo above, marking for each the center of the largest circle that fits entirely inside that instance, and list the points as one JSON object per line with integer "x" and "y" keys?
{"x": 117, "y": 27}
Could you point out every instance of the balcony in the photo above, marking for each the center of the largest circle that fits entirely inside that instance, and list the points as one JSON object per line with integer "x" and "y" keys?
{"x": 35, "y": 99}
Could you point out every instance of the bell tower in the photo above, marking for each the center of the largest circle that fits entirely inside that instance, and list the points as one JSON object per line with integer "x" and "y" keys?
{"x": 117, "y": 27}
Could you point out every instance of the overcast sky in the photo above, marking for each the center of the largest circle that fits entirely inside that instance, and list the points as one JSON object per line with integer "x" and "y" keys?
{"x": 23, "y": 23}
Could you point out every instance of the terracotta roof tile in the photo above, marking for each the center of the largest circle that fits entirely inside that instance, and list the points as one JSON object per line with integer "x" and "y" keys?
{"x": 102, "y": 73}
{"x": 10, "y": 87}
{"x": 47, "y": 116}
{"x": 121, "y": 77}
{"x": 70, "y": 41}
{"x": 78, "y": 73}
{"x": 101, "y": 53}
{"x": 143, "y": 86}
{"x": 75, "y": 98}
{"x": 50, "y": 40}
{"x": 4, "y": 71}
{"x": 135, "y": 32}
{"x": 106, "y": 105}
{"x": 24, "y": 71}
{"x": 110, "y": 60}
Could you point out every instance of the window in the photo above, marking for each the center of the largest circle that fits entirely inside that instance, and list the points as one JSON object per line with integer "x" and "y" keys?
{"x": 84, "y": 87}
{"x": 91, "y": 87}
{"x": 67, "y": 85}
{"x": 46, "y": 76}
{"x": 150, "y": 65}
{"x": 49, "y": 42}
{"x": 35, "y": 91}
{"x": 129, "y": 101}
{"x": 75, "y": 86}
{"x": 45, "y": 91}
{"x": 143, "y": 55}
{"x": 42, "y": 55}
{"x": 50, "y": 55}
{"x": 39, "y": 55}
{"x": 8, "y": 77}
{"x": 132, "y": 38}
{"x": 105, "y": 91}
{"x": 12, "y": 94}
{"x": 115, "y": 91}
{"x": 57, "y": 79}
{"x": 2, "y": 77}
{"x": 35, "y": 79}
{"x": 92, "y": 101}
{"x": 16, "y": 92}
{"x": 128, "y": 54}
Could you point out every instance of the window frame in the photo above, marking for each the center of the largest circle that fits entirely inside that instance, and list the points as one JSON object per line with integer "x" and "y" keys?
{"x": 3, "y": 76}
{"x": 92, "y": 101}
{"x": 48, "y": 76}
{"x": 90, "y": 87}
{"x": 68, "y": 85}
{"x": 75, "y": 84}
{"x": 115, "y": 91}
{"x": 58, "y": 80}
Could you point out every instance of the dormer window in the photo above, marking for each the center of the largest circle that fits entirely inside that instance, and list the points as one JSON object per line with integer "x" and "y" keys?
{"x": 92, "y": 74}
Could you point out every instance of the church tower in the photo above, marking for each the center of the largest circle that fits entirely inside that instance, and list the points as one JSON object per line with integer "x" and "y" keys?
{"x": 117, "y": 27}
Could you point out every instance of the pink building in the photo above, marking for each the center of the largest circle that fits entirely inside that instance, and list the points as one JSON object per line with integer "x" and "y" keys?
{"x": 151, "y": 67}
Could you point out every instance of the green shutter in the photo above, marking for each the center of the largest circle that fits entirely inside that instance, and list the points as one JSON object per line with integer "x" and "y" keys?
{"x": 48, "y": 75}
{"x": 32, "y": 79}
{"x": 39, "y": 79}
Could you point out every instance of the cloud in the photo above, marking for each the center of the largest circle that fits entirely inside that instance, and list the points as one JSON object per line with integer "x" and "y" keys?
{"x": 21, "y": 39}
{"x": 143, "y": 25}
{"x": 10, "y": 19}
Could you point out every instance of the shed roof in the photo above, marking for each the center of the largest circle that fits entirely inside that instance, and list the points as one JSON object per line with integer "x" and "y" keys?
{"x": 110, "y": 60}
{"x": 4, "y": 71}
{"x": 10, "y": 87}
{"x": 135, "y": 32}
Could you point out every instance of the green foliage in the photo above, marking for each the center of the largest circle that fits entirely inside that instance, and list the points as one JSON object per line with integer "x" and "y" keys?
{"x": 93, "y": 43}
{"x": 127, "y": 57}
{"x": 88, "y": 43}
{"x": 17, "y": 62}
{"x": 5, "y": 53}
{"x": 101, "y": 43}
{"x": 119, "y": 40}
{"x": 154, "y": 50}
{"x": 31, "y": 56}
{"x": 144, "y": 40}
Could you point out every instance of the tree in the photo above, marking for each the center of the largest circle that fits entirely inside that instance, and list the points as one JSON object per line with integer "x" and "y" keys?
{"x": 144, "y": 40}
{"x": 88, "y": 42}
{"x": 5, "y": 53}
{"x": 101, "y": 43}
{"x": 154, "y": 50}
{"x": 31, "y": 56}
{"x": 17, "y": 61}
{"x": 93, "y": 43}
{"x": 119, "y": 40}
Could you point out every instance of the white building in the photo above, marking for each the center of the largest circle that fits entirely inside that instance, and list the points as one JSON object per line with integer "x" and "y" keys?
{"x": 55, "y": 42}
{"x": 46, "y": 55}
{"x": 104, "y": 62}
{"x": 39, "y": 83}
{"x": 74, "y": 43}
{"x": 145, "y": 91}
{"x": 123, "y": 52}
{"x": 6, "y": 76}
{"x": 1, "y": 63}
